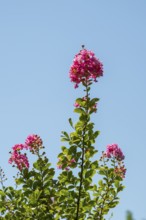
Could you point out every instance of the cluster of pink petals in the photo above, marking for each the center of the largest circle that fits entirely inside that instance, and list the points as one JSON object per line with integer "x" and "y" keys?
{"x": 33, "y": 142}
{"x": 113, "y": 150}
{"x": 120, "y": 171}
{"x": 18, "y": 147}
{"x": 85, "y": 67}
{"x": 20, "y": 160}
{"x": 77, "y": 105}
{"x": 72, "y": 161}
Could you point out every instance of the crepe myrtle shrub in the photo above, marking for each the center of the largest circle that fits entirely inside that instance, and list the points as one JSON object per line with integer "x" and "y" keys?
{"x": 72, "y": 195}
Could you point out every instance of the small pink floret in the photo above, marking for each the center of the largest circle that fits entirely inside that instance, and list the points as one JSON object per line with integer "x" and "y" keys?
{"x": 76, "y": 105}
{"x": 72, "y": 160}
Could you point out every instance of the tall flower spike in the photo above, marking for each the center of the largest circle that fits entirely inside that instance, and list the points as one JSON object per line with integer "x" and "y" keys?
{"x": 85, "y": 67}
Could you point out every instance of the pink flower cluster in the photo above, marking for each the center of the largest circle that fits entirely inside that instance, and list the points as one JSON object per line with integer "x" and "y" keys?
{"x": 85, "y": 67}
{"x": 33, "y": 143}
{"x": 113, "y": 150}
{"x": 120, "y": 171}
{"x": 19, "y": 159}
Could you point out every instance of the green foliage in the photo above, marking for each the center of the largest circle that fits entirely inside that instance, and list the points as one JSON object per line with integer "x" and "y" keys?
{"x": 73, "y": 194}
{"x": 129, "y": 215}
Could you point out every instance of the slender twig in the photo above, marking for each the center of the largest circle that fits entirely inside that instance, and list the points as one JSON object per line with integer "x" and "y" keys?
{"x": 82, "y": 159}
{"x": 81, "y": 179}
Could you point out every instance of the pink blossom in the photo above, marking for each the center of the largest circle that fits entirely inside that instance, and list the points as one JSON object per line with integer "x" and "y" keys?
{"x": 34, "y": 142}
{"x": 76, "y": 105}
{"x": 113, "y": 150}
{"x": 20, "y": 160}
{"x": 72, "y": 160}
{"x": 120, "y": 171}
{"x": 85, "y": 67}
{"x": 18, "y": 147}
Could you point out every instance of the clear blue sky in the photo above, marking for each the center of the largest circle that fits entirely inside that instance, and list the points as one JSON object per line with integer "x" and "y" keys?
{"x": 38, "y": 40}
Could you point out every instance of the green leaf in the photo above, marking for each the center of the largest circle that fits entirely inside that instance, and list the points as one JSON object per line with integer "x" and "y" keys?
{"x": 96, "y": 133}
{"x": 64, "y": 139}
{"x": 65, "y": 134}
{"x": 70, "y": 122}
{"x": 79, "y": 100}
{"x": 90, "y": 173}
{"x": 36, "y": 165}
{"x": 79, "y": 110}
{"x": 116, "y": 183}
{"x": 100, "y": 182}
